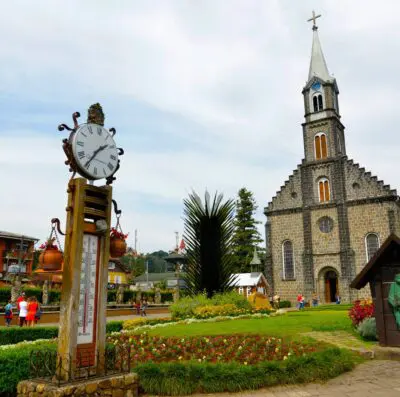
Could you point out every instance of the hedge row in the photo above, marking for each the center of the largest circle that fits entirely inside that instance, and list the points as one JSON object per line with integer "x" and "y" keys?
{"x": 9, "y": 336}
{"x": 187, "y": 378}
{"x": 55, "y": 296}
{"x": 130, "y": 296}
{"x": 5, "y": 294}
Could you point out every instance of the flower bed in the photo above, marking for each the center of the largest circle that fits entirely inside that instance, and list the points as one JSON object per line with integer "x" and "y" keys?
{"x": 361, "y": 309}
{"x": 244, "y": 349}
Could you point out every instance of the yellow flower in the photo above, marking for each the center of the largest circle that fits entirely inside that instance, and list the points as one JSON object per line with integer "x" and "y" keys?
{"x": 285, "y": 358}
{"x": 245, "y": 363}
{"x": 180, "y": 358}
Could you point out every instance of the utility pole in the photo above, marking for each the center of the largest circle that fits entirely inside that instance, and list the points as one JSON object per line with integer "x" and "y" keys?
{"x": 177, "y": 240}
{"x": 136, "y": 241}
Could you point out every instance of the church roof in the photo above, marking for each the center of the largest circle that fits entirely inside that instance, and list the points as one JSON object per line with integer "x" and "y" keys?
{"x": 318, "y": 66}
{"x": 246, "y": 279}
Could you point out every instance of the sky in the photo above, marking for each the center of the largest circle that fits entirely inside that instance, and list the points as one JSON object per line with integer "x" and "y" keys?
{"x": 203, "y": 94}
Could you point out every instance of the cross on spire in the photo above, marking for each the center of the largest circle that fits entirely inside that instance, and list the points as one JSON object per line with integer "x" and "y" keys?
{"x": 314, "y": 18}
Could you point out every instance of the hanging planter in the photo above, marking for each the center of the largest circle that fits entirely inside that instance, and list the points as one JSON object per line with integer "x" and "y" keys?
{"x": 117, "y": 243}
{"x": 51, "y": 257}
{"x": 117, "y": 237}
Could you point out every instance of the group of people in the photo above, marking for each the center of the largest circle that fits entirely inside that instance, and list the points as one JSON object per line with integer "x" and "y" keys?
{"x": 141, "y": 307}
{"x": 29, "y": 311}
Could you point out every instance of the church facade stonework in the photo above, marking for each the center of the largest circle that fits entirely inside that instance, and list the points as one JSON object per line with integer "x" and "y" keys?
{"x": 330, "y": 216}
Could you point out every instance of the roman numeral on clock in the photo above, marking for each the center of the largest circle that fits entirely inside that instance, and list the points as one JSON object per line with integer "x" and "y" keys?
{"x": 80, "y": 143}
{"x": 112, "y": 157}
{"x": 90, "y": 129}
{"x": 81, "y": 154}
{"x": 95, "y": 171}
{"x": 99, "y": 130}
{"x": 110, "y": 166}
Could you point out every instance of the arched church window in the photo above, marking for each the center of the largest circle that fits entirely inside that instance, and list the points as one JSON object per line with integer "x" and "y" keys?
{"x": 288, "y": 260}
{"x": 371, "y": 245}
{"x": 324, "y": 191}
{"x": 320, "y": 106}
{"x": 321, "y": 149}
{"x": 317, "y": 102}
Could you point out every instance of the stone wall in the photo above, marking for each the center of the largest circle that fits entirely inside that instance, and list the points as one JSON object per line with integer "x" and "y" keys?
{"x": 364, "y": 219}
{"x": 114, "y": 386}
{"x": 287, "y": 227}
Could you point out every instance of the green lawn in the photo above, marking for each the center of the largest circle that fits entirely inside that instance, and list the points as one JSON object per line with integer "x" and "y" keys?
{"x": 289, "y": 324}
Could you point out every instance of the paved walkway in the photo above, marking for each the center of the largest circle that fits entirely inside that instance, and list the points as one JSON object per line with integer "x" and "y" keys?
{"x": 371, "y": 379}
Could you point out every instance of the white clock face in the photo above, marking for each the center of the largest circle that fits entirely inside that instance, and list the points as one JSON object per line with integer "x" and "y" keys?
{"x": 94, "y": 151}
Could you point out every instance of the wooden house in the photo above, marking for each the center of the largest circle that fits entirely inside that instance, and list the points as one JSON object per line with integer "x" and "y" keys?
{"x": 16, "y": 253}
{"x": 380, "y": 273}
{"x": 117, "y": 273}
{"x": 248, "y": 283}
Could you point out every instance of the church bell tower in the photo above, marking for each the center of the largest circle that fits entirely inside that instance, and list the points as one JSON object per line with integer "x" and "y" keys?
{"x": 323, "y": 131}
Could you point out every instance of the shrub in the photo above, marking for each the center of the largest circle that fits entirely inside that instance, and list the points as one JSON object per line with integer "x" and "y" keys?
{"x": 10, "y": 336}
{"x": 185, "y": 306}
{"x": 283, "y": 304}
{"x": 15, "y": 363}
{"x": 54, "y": 296}
{"x": 209, "y": 311}
{"x": 167, "y": 297}
{"x": 5, "y": 295}
{"x": 259, "y": 301}
{"x": 187, "y": 378}
{"x": 367, "y": 328}
{"x": 361, "y": 310}
{"x": 233, "y": 297}
{"x": 129, "y": 296}
{"x": 113, "y": 326}
{"x": 13, "y": 335}
{"x": 132, "y": 324}
{"x": 111, "y": 295}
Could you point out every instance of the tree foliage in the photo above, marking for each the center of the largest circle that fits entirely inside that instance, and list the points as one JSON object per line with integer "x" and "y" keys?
{"x": 208, "y": 236}
{"x": 246, "y": 235}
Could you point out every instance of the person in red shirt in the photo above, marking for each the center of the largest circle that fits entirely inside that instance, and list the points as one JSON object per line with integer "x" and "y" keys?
{"x": 20, "y": 298}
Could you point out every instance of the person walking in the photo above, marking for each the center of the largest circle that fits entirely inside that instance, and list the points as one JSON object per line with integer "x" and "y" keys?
{"x": 8, "y": 313}
{"x": 143, "y": 307}
{"x": 314, "y": 300}
{"x": 137, "y": 306}
{"x": 23, "y": 311}
{"x": 32, "y": 308}
{"x": 38, "y": 313}
{"x": 20, "y": 299}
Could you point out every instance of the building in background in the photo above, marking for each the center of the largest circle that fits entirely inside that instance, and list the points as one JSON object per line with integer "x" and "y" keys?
{"x": 16, "y": 254}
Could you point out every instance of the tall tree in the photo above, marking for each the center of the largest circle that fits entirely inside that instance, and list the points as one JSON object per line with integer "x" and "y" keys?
{"x": 208, "y": 236}
{"x": 246, "y": 235}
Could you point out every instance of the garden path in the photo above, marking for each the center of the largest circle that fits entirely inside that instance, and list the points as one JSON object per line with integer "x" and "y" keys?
{"x": 376, "y": 378}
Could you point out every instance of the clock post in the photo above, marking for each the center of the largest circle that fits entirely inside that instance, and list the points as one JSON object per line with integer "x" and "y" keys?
{"x": 91, "y": 151}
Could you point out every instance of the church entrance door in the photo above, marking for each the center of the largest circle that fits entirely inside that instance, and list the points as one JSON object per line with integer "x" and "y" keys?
{"x": 331, "y": 286}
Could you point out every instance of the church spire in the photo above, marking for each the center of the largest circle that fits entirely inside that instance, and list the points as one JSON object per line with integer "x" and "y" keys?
{"x": 318, "y": 66}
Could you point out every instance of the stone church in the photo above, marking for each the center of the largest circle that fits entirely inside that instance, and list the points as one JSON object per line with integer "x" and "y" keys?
{"x": 330, "y": 216}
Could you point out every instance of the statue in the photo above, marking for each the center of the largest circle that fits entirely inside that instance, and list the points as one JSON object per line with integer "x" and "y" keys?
{"x": 120, "y": 294}
{"x": 96, "y": 115}
{"x": 176, "y": 293}
{"x": 138, "y": 295}
{"x": 394, "y": 299}
{"x": 15, "y": 289}
{"x": 45, "y": 293}
{"x": 157, "y": 296}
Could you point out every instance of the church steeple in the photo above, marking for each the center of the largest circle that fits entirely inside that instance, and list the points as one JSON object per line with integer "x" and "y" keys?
{"x": 323, "y": 131}
{"x": 318, "y": 66}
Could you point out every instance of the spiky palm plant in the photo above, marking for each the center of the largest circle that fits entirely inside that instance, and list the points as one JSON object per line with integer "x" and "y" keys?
{"x": 208, "y": 236}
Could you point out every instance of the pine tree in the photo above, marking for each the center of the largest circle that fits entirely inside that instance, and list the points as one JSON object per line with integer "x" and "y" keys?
{"x": 246, "y": 235}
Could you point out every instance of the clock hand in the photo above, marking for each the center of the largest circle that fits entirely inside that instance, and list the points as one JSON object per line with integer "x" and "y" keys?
{"x": 95, "y": 154}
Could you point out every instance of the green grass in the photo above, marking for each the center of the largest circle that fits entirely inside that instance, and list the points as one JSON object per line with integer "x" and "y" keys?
{"x": 290, "y": 324}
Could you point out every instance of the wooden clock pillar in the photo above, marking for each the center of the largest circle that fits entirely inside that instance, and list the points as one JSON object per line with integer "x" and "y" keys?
{"x": 82, "y": 334}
